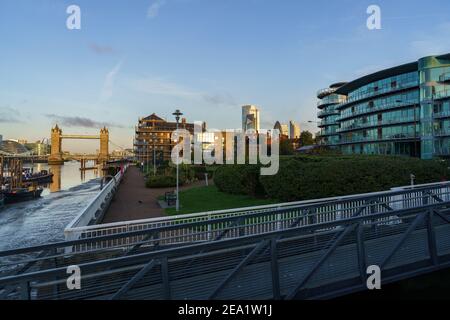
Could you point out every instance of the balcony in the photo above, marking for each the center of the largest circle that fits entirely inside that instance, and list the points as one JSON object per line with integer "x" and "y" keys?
{"x": 330, "y": 101}
{"x": 444, "y": 114}
{"x": 325, "y": 113}
{"x": 325, "y": 123}
{"x": 382, "y": 91}
{"x": 374, "y": 109}
{"x": 376, "y": 124}
{"x": 394, "y": 137}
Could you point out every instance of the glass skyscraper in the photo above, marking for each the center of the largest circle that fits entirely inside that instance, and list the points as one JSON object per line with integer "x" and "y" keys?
{"x": 404, "y": 110}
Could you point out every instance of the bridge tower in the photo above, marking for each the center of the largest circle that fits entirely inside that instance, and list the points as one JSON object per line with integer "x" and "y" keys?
{"x": 56, "y": 152}
{"x": 104, "y": 145}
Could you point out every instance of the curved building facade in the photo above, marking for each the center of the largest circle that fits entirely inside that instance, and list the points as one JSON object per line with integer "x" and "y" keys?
{"x": 328, "y": 114}
{"x": 403, "y": 110}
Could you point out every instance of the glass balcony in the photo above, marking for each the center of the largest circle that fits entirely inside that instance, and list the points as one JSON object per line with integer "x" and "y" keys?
{"x": 399, "y": 136}
{"x": 327, "y": 122}
{"x": 372, "y": 94}
{"x": 442, "y": 133}
{"x": 444, "y": 114}
{"x": 374, "y": 109}
{"x": 442, "y": 94}
{"x": 376, "y": 124}
{"x": 324, "y": 113}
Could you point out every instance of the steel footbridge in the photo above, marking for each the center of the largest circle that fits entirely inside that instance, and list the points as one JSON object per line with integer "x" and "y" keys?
{"x": 315, "y": 249}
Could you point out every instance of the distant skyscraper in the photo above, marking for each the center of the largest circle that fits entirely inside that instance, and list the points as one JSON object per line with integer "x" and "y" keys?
{"x": 282, "y": 128}
{"x": 294, "y": 130}
{"x": 250, "y": 117}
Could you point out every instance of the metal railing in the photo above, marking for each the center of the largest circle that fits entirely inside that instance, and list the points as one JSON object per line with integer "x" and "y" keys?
{"x": 321, "y": 252}
{"x": 97, "y": 206}
{"x": 226, "y": 224}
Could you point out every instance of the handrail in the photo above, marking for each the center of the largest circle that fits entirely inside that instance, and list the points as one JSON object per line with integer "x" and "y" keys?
{"x": 223, "y": 243}
{"x": 87, "y": 213}
{"x": 262, "y": 207}
{"x": 249, "y": 215}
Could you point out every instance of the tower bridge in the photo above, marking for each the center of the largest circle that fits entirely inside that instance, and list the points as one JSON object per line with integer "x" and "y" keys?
{"x": 56, "y": 156}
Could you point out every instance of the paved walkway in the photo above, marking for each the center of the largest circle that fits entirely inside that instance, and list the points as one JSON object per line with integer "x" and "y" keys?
{"x": 134, "y": 201}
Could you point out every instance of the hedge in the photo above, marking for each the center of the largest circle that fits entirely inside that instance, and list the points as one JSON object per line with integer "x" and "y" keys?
{"x": 238, "y": 179}
{"x": 314, "y": 177}
{"x": 163, "y": 181}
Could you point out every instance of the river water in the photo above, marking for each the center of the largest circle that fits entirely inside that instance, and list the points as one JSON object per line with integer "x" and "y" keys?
{"x": 43, "y": 220}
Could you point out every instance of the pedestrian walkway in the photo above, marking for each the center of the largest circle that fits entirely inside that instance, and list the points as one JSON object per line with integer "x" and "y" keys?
{"x": 134, "y": 201}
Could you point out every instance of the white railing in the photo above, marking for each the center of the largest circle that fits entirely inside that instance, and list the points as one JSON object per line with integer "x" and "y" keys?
{"x": 279, "y": 216}
{"x": 95, "y": 207}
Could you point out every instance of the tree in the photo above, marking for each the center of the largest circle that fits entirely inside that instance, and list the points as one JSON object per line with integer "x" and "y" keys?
{"x": 286, "y": 147}
{"x": 306, "y": 138}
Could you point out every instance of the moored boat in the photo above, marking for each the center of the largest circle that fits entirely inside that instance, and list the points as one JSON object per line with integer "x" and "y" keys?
{"x": 21, "y": 194}
{"x": 2, "y": 200}
{"x": 41, "y": 177}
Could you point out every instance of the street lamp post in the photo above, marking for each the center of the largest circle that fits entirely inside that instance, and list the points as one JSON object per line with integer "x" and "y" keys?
{"x": 177, "y": 115}
{"x": 154, "y": 156}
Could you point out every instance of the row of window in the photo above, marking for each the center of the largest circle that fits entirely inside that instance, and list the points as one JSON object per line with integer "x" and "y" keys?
{"x": 382, "y": 103}
{"x": 385, "y": 85}
{"x": 403, "y": 115}
{"x": 386, "y": 148}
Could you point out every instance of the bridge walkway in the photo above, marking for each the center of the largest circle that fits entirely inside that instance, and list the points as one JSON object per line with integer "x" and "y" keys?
{"x": 317, "y": 249}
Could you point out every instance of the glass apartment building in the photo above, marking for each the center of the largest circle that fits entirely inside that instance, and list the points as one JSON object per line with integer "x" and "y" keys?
{"x": 328, "y": 114}
{"x": 404, "y": 110}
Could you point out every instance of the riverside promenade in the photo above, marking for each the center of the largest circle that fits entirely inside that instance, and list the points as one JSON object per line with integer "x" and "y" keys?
{"x": 134, "y": 201}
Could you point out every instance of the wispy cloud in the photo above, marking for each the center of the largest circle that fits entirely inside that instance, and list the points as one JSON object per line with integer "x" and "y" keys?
{"x": 81, "y": 122}
{"x": 10, "y": 115}
{"x": 108, "y": 84}
{"x": 154, "y": 8}
{"x": 163, "y": 87}
{"x": 99, "y": 49}
{"x": 225, "y": 99}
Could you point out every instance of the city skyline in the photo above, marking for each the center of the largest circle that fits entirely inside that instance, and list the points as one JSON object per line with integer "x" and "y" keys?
{"x": 157, "y": 56}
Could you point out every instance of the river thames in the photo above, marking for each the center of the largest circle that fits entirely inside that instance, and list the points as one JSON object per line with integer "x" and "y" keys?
{"x": 43, "y": 220}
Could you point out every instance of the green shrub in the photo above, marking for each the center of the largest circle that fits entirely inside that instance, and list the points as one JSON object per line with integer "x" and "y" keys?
{"x": 239, "y": 179}
{"x": 163, "y": 181}
{"x": 314, "y": 177}
{"x": 301, "y": 179}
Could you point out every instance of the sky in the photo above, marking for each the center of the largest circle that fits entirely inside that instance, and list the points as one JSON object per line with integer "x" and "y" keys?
{"x": 204, "y": 57}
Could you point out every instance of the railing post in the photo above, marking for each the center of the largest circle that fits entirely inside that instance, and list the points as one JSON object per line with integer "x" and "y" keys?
{"x": 362, "y": 259}
{"x": 165, "y": 278}
{"x": 274, "y": 268}
{"x": 25, "y": 291}
{"x": 432, "y": 249}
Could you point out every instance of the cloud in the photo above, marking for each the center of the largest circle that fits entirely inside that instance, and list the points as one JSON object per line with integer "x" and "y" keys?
{"x": 100, "y": 49}
{"x": 10, "y": 115}
{"x": 108, "y": 84}
{"x": 162, "y": 87}
{"x": 220, "y": 99}
{"x": 154, "y": 8}
{"x": 81, "y": 122}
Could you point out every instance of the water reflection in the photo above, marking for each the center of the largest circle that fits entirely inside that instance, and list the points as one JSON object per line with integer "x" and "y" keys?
{"x": 68, "y": 175}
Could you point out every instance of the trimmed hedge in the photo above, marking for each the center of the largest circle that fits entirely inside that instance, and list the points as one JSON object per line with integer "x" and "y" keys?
{"x": 162, "y": 181}
{"x": 314, "y": 177}
{"x": 239, "y": 179}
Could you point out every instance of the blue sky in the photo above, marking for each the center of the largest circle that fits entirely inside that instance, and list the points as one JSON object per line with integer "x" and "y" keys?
{"x": 206, "y": 57}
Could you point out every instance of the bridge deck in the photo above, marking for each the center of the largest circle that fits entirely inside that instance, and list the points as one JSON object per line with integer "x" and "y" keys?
{"x": 310, "y": 250}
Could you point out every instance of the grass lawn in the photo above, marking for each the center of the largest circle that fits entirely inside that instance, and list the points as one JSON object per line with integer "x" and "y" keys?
{"x": 209, "y": 198}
